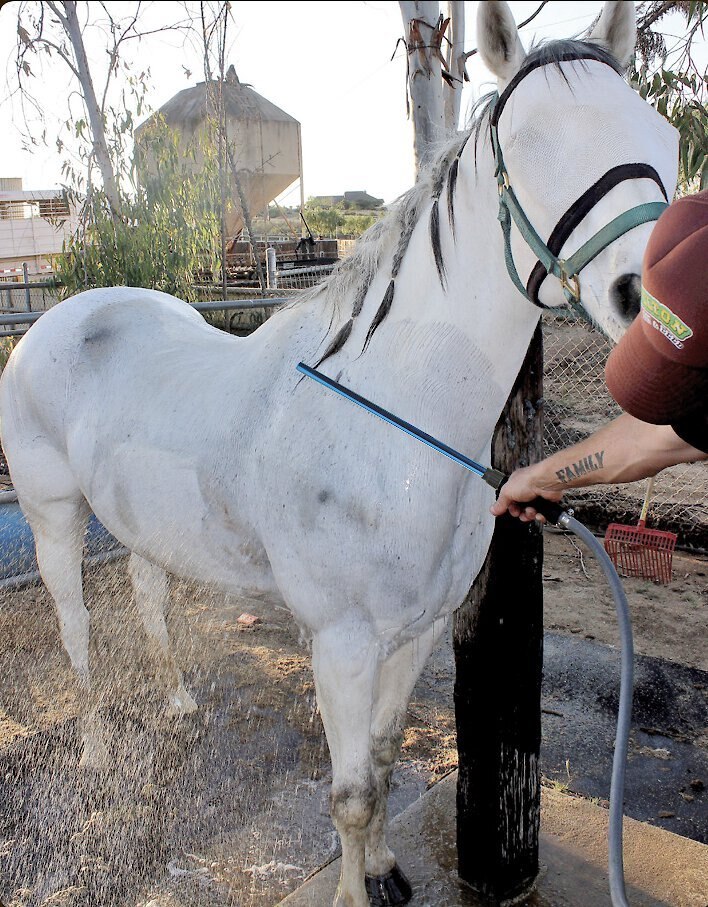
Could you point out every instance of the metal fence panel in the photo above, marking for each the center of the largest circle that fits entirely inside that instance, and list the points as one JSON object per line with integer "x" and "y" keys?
{"x": 302, "y": 278}
{"x": 35, "y": 296}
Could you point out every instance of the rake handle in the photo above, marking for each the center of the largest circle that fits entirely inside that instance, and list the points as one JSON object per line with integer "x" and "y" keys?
{"x": 645, "y": 505}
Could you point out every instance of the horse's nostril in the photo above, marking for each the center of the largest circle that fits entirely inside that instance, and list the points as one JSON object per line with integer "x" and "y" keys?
{"x": 625, "y": 295}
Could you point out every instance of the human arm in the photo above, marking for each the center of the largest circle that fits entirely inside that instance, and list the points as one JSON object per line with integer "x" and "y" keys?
{"x": 624, "y": 450}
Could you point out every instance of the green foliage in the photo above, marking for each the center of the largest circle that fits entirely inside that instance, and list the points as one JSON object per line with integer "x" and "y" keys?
{"x": 7, "y": 344}
{"x": 339, "y": 220}
{"x": 168, "y": 231}
{"x": 678, "y": 98}
{"x": 356, "y": 224}
{"x": 165, "y": 228}
{"x": 325, "y": 221}
{"x": 675, "y": 85}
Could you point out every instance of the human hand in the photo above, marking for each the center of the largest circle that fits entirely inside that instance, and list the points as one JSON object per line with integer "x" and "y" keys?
{"x": 523, "y": 486}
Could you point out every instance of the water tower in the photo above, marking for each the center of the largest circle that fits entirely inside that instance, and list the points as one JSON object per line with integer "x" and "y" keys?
{"x": 265, "y": 140}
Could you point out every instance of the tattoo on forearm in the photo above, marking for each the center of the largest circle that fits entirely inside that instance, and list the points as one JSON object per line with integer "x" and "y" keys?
{"x": 582, "y": 467}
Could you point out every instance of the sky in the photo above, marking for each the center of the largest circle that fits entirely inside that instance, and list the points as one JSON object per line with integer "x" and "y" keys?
{"x": 333, "y": 66}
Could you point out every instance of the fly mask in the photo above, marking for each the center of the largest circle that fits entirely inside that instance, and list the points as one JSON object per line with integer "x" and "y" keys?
{"x": 566, "y": 270}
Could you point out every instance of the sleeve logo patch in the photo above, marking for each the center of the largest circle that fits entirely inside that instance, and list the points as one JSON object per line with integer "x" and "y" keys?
{"x": 662, "y": 319}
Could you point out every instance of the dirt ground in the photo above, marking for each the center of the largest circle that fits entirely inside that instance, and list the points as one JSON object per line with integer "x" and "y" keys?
{"x": 669, "y": 621}
{"x": 229, "y": 806}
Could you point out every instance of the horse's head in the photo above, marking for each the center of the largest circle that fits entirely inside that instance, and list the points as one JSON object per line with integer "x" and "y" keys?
{"x": 583, "y": 163}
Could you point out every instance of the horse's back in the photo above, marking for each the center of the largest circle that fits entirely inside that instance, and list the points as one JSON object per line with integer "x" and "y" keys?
{"x": 125, "y": 317}
{"x": 85, "y": 343}
{"x": 80, "y": 357}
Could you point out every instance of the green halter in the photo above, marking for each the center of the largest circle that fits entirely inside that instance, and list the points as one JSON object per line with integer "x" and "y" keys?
{"x": 568, "y": 269}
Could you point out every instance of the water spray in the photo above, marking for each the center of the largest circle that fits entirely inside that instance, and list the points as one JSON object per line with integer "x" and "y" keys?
{"x": 564, "y": 519}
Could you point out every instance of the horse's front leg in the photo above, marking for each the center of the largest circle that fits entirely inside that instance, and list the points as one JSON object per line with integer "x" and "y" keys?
{"x": 385, "y": 882}
{"x": 345, "y": 661}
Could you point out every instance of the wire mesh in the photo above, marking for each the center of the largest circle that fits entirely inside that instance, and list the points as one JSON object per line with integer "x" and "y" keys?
{"x": 576, "y": 403}
{"x": 13, "y": 298}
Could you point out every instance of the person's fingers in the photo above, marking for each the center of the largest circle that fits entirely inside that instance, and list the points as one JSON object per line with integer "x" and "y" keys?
{"x": 516, "y": 509}
{"x": 519, "y": 509}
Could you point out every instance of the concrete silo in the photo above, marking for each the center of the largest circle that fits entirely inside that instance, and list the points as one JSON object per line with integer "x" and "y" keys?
{"x": 264, "y": 139}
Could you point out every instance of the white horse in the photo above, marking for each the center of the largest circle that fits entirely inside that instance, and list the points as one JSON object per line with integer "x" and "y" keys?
{"x": 211, "y": 457}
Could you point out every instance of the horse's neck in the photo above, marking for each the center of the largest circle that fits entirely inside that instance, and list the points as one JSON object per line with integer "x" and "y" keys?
{"x": 457, "y": 350}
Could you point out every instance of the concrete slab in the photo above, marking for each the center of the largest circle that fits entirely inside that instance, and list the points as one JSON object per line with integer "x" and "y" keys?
{"x": 661, "y": 869}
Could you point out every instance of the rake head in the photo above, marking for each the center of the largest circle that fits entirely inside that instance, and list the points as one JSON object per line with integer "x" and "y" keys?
{"x": 637, "y": 551}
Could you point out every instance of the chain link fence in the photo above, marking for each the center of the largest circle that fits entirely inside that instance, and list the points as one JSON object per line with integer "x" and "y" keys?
{"x": 576, "y": 403}
{"x": 36, "y": 294}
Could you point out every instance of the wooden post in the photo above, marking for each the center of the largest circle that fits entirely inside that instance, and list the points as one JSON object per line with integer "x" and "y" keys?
{"x": 499, "y": 654}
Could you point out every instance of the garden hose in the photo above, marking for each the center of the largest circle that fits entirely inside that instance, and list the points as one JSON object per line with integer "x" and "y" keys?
{"x": 618, "y": 894}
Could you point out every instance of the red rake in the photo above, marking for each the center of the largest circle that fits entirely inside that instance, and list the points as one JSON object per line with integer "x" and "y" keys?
{"x": 637, "y": 551}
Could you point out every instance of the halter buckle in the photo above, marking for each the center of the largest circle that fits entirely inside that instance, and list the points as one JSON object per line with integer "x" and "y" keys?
{"x": 503, "y": 183}
{"x": 571, "y": 283}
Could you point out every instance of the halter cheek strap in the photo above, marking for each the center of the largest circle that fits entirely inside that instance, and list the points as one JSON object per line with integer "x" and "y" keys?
{"x": 576, "y": 213}
{"x": 566, "y": 270}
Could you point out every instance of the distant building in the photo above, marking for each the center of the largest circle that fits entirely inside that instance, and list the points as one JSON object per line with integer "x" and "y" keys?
{"x": 356, "y": 199}
{"x": 363, "y": 200}
{"x": 33, "y": 226}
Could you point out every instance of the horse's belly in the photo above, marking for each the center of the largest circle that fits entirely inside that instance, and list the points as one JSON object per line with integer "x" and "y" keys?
{"x": 159, "y": 505}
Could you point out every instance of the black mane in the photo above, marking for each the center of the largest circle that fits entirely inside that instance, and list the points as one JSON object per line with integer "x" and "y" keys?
{"x": 557, "y": 51}
{"x": 443, "y": 172}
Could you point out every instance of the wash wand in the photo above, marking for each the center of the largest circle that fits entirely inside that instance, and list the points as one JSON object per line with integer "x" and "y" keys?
{"x": 552, "y": 511}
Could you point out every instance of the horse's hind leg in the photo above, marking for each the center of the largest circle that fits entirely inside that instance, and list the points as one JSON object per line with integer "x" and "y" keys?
{"x": 58, "y": 528}
{"x": 151, "y": 594}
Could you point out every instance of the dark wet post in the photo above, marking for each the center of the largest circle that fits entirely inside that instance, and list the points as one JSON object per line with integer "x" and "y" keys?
{"x": 499, "y": 653}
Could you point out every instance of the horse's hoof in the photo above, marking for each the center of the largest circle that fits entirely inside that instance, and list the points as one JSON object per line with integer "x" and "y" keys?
{"x": 389, "y": 890}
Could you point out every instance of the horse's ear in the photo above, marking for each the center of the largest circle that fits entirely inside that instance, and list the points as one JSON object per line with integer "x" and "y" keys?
{"x": 616, "y": 30}
{"x": 498, "y": 39}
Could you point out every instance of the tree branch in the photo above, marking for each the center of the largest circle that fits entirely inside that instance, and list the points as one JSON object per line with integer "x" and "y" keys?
{"x": 47, "y": 43}
{"x": 652, "y": 16}
{"x": 113, "y": 53}
{"x": 54, "y": 7}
